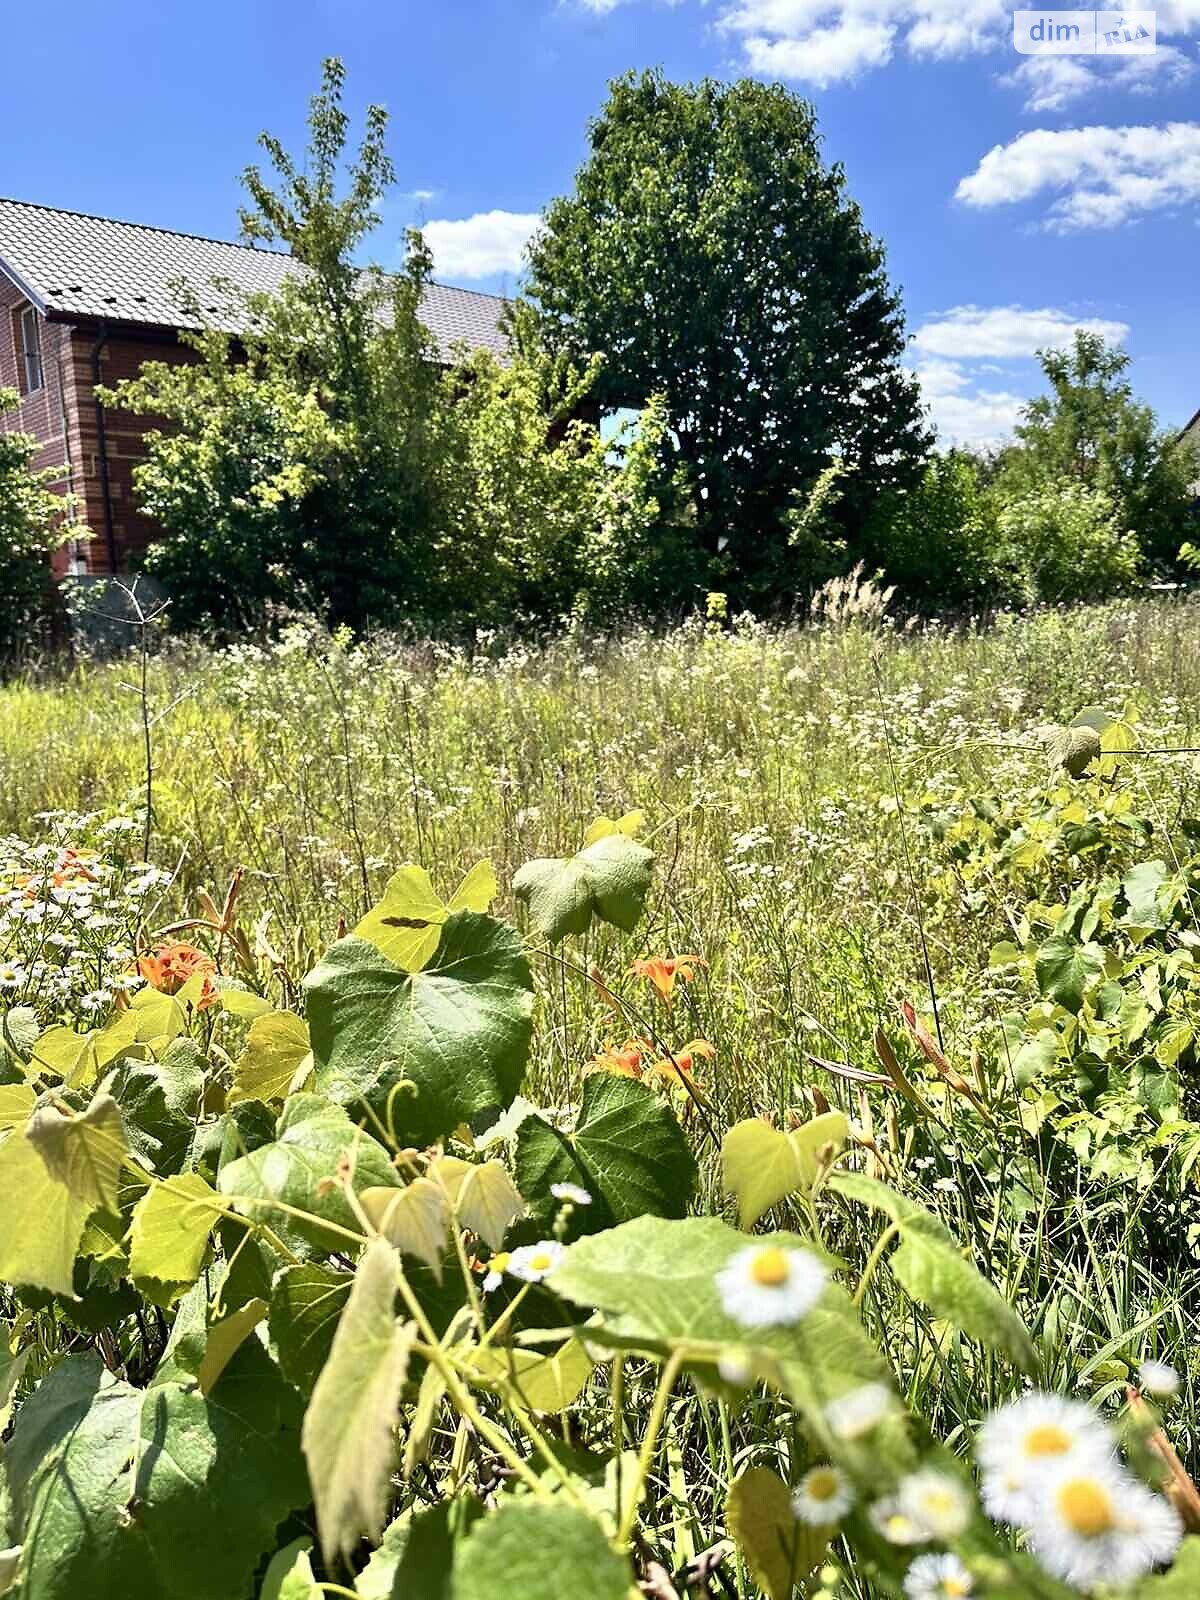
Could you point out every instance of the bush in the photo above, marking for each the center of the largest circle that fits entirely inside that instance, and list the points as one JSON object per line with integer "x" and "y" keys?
{"x": 937, "y": 542}
{"x": 31, "y": 528}
{"x": 1062, "y": 542}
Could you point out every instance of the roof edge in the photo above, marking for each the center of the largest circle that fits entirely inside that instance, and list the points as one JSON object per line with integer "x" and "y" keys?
{"x": 18, "y": 282}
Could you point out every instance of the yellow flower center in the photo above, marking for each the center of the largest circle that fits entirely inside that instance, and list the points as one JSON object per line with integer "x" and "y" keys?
{"x": 1087, "y": 1507}
{"x": 940, "y": 1502}
{"x": 542, "y": 1261}
{"x": 770, "y": 1269}
{"x": 1047, "y": 1439}
{"x": 822, "y": 1483}
{"x": 952, "y": 1588}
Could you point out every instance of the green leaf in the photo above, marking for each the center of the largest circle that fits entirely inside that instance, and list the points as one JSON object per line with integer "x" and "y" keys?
{"x": 1035, "y": 1057}
{"x": 225, "y": 1339}
{"x": 350, "y": 1424}
{"x": 529, "y": 1550}
{"x": 1183, "y": 1580}
{"x": 1065, "y": 969}
{"x": 43, "y": 1256}
{"x": 1141, "y": 885}
{"x": 627, "y": 1151}
{"x": 760, "y": 1165}
{"x": 780, "y": 1551}
{"x": 451, "y": 1041}
{"x": 415, "y": 1559}
{"x": 12, "y": 1369}
{"x": 536, "y": 1382}
{"x": 932, "y": 1268}
{"x": 406, "y": 924}
{"x": 19, "y": 1033}
{"x": 488, "y": 1202}
{"x": 168, "y": 1236}
{"x": 290, "y": 1575}
{"x": 85, "y": 1151}
{"x": 17, "y": 1102}
{"x": 275, "y": 1052}
{"x": 416, "y": 1219}
{"x": 306, "y": 1303}
{"x": 160, "y": 1101}
{"x": 301, "y": 1169}
{"x": 609, "y": 878}
{"x": 477, "y": 890}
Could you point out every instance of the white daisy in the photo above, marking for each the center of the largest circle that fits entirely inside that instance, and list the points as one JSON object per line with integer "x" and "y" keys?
{"x": 497, "y": 1267}
{"x": 937, "y": 1578}
{"x": 935, "y": 1501}
{"x": 767, "y": 1286}
{"x": 532, "y": 1262}
{"x": 11, "y": 977}
{"x": 822, "y": 1497}
{"x": 1160, "y": 1379}
{"x": 896, "y": 1526}
{"x": 571, "y": 1192}
{"x": 1094, "y": 1524}
{"x": 860, "y": 1410}
{"x": 1036, "y": 1434}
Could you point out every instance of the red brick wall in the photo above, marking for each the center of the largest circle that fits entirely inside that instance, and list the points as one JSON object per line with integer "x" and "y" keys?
{"x": 62, "y": 417}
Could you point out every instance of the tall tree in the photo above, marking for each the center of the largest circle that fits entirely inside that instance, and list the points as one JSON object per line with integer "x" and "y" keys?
{"x": 716, "y": 260}
{"x": 1091, "y": 430}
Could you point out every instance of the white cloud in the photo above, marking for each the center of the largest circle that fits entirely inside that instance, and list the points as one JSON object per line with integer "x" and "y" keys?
{"x": 1101, "y": 176}
{"x": 1051, "y": 83}
{"x": 1006, "y": 332}
{"x": 482, "y": 245}
{"x": 961, "y": 352}
{"x": 825, "y": 57}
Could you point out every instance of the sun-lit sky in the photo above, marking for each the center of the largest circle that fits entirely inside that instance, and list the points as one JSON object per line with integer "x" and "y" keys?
{"x": 1017, "y": 196}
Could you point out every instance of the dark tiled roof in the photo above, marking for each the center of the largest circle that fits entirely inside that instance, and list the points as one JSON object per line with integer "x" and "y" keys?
{"x": 123, "y": 272}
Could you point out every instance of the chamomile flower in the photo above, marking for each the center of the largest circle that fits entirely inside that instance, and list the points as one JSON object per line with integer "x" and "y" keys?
{"x": 532, "y": 1262}
{"x": 11, "y": 977}
{"x": 1160, "y": 1379}
{"x": 822, "y": 1497}
{"x": 1034, "y": 1435}
{"x": 766, "y": 1286}
{"x": 937, "y": 1578}
{"x": 895, "y": 1524}
{"x": 1097, "y": 1523}
{"x": 572, "y": 1192}
{"x": 935, "y": 1501}
{"x": 860, "y": 1410}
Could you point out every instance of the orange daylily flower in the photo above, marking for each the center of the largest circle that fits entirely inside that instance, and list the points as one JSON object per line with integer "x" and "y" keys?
{"x": 664, "y": 971}
{"x": 684, "y": 1063}
{"x": 624, "y": 1061}
{"x": 169, "y": 966}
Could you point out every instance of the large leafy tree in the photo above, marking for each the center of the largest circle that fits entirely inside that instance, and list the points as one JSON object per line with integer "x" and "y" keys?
{"x": 716, "y": 260}
{"x": 32, "y": 526}
{"x": 1091, "y": 431}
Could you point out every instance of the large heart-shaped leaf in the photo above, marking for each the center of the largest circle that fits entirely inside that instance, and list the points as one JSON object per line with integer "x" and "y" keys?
{"x": 425, "y": 1050}
{"x": 627, "y": 1151}
{"x": 302, "y": 1170}
{"x": 84, "y": 1151}
{"x": 42, "y": 1256}
{"x": 531, "y": 1550}
{"x": 1065, "y": 970}
{"x": 760, "y": 1165}
{"x": 608, "y": 879}
{"x": 306, "y": 1303}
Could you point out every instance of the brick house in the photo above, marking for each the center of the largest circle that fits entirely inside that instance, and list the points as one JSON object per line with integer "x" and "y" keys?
{"x": 85, "y": 300}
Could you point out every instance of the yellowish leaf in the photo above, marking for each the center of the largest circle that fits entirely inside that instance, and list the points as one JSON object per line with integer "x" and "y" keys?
{"x": 416, "y": 1219}
{"x": 406, "y": 925}
{"x": 488, "y": 1201}
{"x": 225, "y": 1338}
{"x": 84, "y": 1151}
{"x": 477, "y": 890}
{"x": 277, "y": 1047}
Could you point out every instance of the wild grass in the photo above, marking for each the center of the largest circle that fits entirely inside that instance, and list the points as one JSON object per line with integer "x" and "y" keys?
{"x": 789, "y": 779}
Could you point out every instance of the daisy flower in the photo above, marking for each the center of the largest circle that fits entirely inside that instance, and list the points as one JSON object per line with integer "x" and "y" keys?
{"x": 571, "y": 1192}
{"x": 767, "y": 1286}
{"x": 859, "y": 1411}
{"x": 1097, "y": 1523}
{"x": 497, "y": 1267}
{"x": 822, "y": 1497}
{"x": 1022, "y": 1441}
{"x": 896, "y": 1526}
{"x": 936, "y": 1502}
{"x": 532, "y": 1262}
{"x": 937, "y": 1578}
{"x": 1160, "y": 1379}
{"x": 11, "y": 977}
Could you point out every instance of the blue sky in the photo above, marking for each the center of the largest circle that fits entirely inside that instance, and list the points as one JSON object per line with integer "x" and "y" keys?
{"x": 1017, "y": 196}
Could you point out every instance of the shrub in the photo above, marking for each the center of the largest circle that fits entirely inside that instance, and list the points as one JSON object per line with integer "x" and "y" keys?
{"x": 31, "y": 528}
{"x": 1062, "y": 542}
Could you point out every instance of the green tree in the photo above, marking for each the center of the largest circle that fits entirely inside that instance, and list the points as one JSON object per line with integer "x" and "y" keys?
{"x": 937, "y": 541}
{"x": 32, "y": 527}
{"x": 1065, "y": 541}
{"x": 1090, "y": 430}
{"x": 716, "y": 260}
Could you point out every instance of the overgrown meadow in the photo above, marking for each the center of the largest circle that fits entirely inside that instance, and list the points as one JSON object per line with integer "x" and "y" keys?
{"x": 704, "y": 1113}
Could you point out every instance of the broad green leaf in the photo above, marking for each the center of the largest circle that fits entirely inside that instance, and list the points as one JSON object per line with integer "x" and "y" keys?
{"x": 41, "y": 1256}
{"x": 609, "y": 879}
{"x": 1065, "y": 970}
{"x": 302, "y": 1169}
{"x": 932, "y": 1268}
{"x": 238, "y": 1001}
{"x": 1141, "y": 885}
{"x": 406, "y": 925}
{"x": 1182, "y": 1582}
{"x": 306, "y": 1303}
{"x": 780, "y": 1551}
{"x": 1035, "y": 1057}
{"x": 627, "y": 1151}
{"x": 168, "y": 1235}
{"x": 160, "y": 1102}
{"x": 349, "y": 1427}
{"x": 488, "y": 1202}
{"x": 477, "y": 890}
{"x": 529, "y": 1550}
{"x": 84, "y": 1151}
{"x": 1176, "y": 1039}
{"x": 631, "y": 824}
{"x": 760, "y": 1165}
{"x": 79, "y": 1058}
{"x": 274, "y": 1055}
{"x": 290, "y": 1575}
{"x": 416, "y": 1219}
{"x": 425, "y": 1050}
{"x": 19, "y": 1032}
{"x": 225, "y": 1339}
{"x": 159, "y": 1018}
{"x": 536, "y": 1382}
{"x": 417, "y": 1553}
{"x": 654, "y": 1283}
{"x": 17, "y": 1102}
